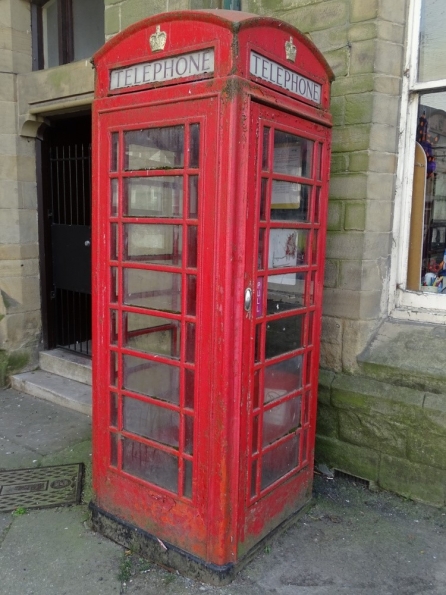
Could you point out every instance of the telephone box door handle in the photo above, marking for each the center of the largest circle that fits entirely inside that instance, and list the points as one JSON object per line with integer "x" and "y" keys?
{"x": 248, "y": 299}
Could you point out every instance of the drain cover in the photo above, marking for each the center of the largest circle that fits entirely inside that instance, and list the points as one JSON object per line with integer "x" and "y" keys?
{"x": 41, "y": 487}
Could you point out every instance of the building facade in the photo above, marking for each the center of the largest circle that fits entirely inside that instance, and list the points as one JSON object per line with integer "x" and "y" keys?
{"x": 382, "y": 407}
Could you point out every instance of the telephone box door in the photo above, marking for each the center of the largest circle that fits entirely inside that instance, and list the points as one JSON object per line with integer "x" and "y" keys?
{"x": 284, "y": 260}
{"x": 155, "y": 275}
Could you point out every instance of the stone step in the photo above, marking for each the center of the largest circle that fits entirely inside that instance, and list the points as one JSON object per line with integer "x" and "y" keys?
{"x": 66, "y": 364}
{"x": 56, "y": 389}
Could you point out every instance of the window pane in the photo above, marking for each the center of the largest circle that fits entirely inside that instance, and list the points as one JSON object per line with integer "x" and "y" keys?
{"x": 151, "y": 464}
{"x": 279, "y": 461}
{"x": 283, "y": 378}
{"x": 187, "y": 479}
{"x": 153, "y": 379}
{"x": 292, "y": 154}
{"x": 50, "y": 34}
{"x": 432, "y": 65}
{"x": 151, "y": 334}
{"x": 114, "y": 151}
{"x": 281, "y": 420}
{"x": 154, "y": 197}
{"x": 151, "y": 421}
{"x": 88, "y": 27}
{"x": 152, "y": 289}
{"x": 154, "y": 148}
{"x": 285, "y": 292}
{"x": 290, "y": 201}
{"x": 155, "y": 244}
{"x": 194, "y": 155}
{"x": 193, "y": 197}
{"x": 287, "y": 248}
{"x": 283, "y": 335}
{"x": 114, "y": 197}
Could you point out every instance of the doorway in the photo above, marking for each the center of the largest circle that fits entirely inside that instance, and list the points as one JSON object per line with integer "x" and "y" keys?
{"x": 64, "y": 184}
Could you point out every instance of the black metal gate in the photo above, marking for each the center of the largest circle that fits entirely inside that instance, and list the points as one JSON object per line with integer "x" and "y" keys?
{"x": 66, "y": 168}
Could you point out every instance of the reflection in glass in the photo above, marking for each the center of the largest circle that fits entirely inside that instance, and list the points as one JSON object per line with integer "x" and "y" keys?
{"x": 114, "y": 151}
{"x": 113, "y": 327}
{"x": 255, "y": 434}
{"x": 193, "y": 197}
{"x": 113, "y": 285}
{"x": 113, "y": 368}
{"x": 261, "y": 250}
{"x": 256, "y": 390}
{"x": 189, "y": 388}
{"x": 157, "y": 290}
{"x": 292, "y": 155}
{"x": 279, "y": 461}
{"x": 154, "y": 148}
{"x": 155, "y": 244}
{"x": 285, "y": 292}
{"x": 188, "y": 434}
{"x": 114, "y": 410}
{"x": 317, "y": 205}
{"x": 114, "y": 241}
{"x": 265, "y": 152}
{"x": 151, "y": 421}
{"x": 152, "y": 334}
{"x": 114, "y": 197}
{"x": 290, "y": 201}
{"x": 281, "y": 420}
{"x": 191, "y": 297}
{"x": 114, "y": 450}
{"x": 263, "y": 198}
{"x": 190, "y": 342}
{"x": 283, "y": 335}
{"x": 253, "y": 479}
{"x": 152, "y": 379}
{"x": 150, "y": 464}
{"x": 287, "y": 248}
{"x": 154, "y": 197}
{"x": 192, "y": 246}
{"x": 258, "y": 343}
{"x": 194, "y": 155}
{"x": 187, "y": 489}
{"x": 283, "y": 378}
{"x": 432, "y": 65}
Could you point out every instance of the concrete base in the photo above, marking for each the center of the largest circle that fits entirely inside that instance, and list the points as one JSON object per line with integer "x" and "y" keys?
{"x": 149, "y": 546}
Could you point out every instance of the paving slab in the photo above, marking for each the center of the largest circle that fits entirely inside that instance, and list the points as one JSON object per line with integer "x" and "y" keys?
{"x": 52, "y": 552}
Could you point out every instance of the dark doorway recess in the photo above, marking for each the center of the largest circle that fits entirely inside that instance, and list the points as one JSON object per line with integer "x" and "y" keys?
{"x": 64, "y": 183}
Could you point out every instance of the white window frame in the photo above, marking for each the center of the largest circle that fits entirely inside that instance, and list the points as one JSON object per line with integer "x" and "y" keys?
{"x": 403, "y": 303}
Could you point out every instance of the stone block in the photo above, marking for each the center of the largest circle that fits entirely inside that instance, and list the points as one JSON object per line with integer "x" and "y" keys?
{"x": 200, "y": 4}
{"x": 362, "y": 57}
{"x": 373, "y": 431}
{"x": 337, "y": 110}
{"x": 18, "y": 251}
{"x": 356, "y": 335}
{"x": 426, "y": 447}
{"x": 133, "y": 11}
{"x": 338, "y": 60}
{"x": 381, "y": 186}
{"x": 18, "y": 226}
{"x": 327, "y": 421}
{"x": 7, "y": 87}
{"x": 376, "y": 245}
{"x": 355, "y": 216}
{"x": 21, "y": 330}
{"x": 331, "y": 273}
{"x": 326, "y": 377}
{"x": 339, "y": 163}
{"x": 350, "y": 274}
{"x": 359, "y": 108}
{"x": 8, "y": 117}
{"x": 379, "y": 215}
{"x": 19, "y": 268}
{"x": 331, "y": 356}
{"x": 330, "y": 39}
{"x": 358, "y": 161}
{"x": 373, "y": 273}
{"x": 26, "y": 168}
{"x": 319, "y": 16}
{"x": 345, "y": 245}
{"x": 388, "y": 85}
{"x": 341, "y": 303}
{"x": 362, "y": 31}
{"x": 108, "y": 3}
{"x": 371, "y": 306}
{"x": 112, "y": 20}
{"x": 351, "y": 138}
{"x": 348, "y": 186}
{"x": 331, "y": 332}
{"x": 21, "y": 41}
{"x": 20, "y": 294}
{"x": 381, "y": 162}
{"x": 363, "y": 83}
{"x": 384, "y": 138}
{"x": 363, "y": 11}
{"x": 395, "y": 11}
{"x": 389, "y": 58}
{"x": 390, "y": 31}
{"x": 335, "y": 215}
{"x": 418, "y": 482}
{"x": 349, "y": 458}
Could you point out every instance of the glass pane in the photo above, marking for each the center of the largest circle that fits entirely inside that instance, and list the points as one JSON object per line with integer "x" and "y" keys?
{"x": 190, "y": 342}
{"x": 114, "y": 450}
{"x": 193, "y": 197}
{"x": 283, "y": 335}
{"x": 285, "y": 292}
{"x": 265, "y": 153}
{"x": 258, "y": 343}
{"x": 287, "y": 248}
{"x": 194, "y": 155}
{"x": 187, "y": 489}
{"x": 113, "y": 368}
{"x": 263, "y": 198}
{"x": 114, "y": 410}
{"x": 253, "y": 479}
{"x": 290, "y": 201}
{"x": 153, "y": 379}
{"x": 279, "y": 461}
{"x": 113, "y": 284}
{"x": 151, "y": 421}
{"x": 307, "y": 408}
{"x": 154, "y": 244}
{"x": 189, "y": 388}
{"x": 283, "y": 378}
{"x": 188, "y": 434}
{"x": 255, "y": 434}
{"x": 432, "y": 65}
{"x": 281, "y": 420}
{"x": 150, "y": 464}
{"x": 114, "y": 151}
{"x": 113, "y": 327}
{"x": 151, "y": 334}
{"x": 292, "y": 155}
{"x": 305, "y": 446}
{"x": 256, "y": 390}
{"x": 88, "y": 27}
{"x": 114, "y": 241}
{"x": 154, "y": 148}
{"x": 152, "y": 289}
{"x": 431, "y": 135}
{"x": 191, "y": 297}
{"x": 317, "y": 206}
{"x": 319, "y": 162}
{"x": 261, "y": 250}
{"x": 192, "y": 246}
{"x": 114, "y": 197}
{"x": 154, "y": 197}
{"x": 50, "y": 33}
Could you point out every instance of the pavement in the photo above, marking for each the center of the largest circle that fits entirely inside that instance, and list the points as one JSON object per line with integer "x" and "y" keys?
{"x": 352, "y": 541}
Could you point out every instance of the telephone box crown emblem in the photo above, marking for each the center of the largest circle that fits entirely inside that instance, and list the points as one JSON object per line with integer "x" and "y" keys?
{"x": 290, "y": 50}
{"x": 158, "y": 40}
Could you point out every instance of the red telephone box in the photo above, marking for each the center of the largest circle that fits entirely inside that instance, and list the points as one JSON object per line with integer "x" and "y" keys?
{"x": 211, "y": 161}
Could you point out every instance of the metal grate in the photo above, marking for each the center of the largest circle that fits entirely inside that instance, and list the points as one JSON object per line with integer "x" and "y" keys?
{"x": 41, "y": 487}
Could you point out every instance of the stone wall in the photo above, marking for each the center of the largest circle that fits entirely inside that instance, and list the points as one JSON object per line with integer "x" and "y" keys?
{"x": 19, "y": 277}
